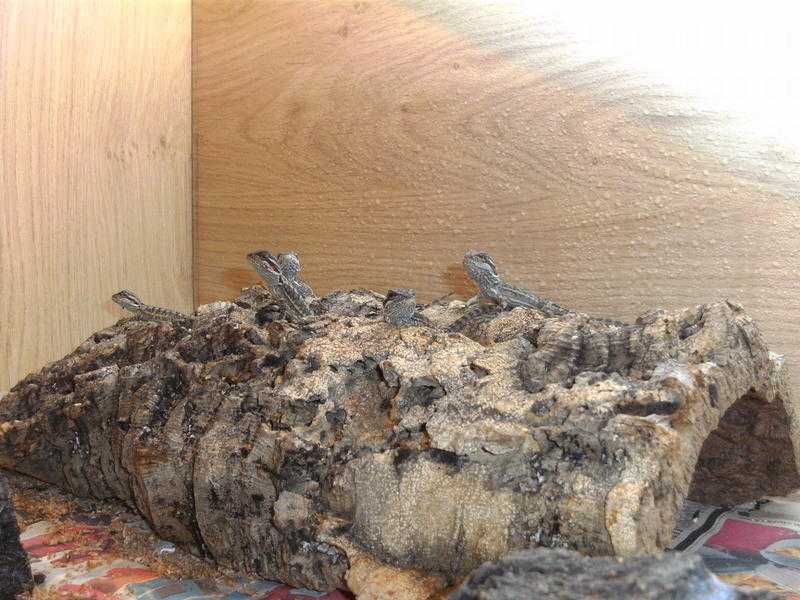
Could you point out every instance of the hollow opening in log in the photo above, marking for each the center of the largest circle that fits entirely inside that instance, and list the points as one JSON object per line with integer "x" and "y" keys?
{"x": 748, "y": 456}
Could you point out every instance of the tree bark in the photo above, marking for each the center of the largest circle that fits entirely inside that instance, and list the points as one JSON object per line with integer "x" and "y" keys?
{"x": 287, "y": 449}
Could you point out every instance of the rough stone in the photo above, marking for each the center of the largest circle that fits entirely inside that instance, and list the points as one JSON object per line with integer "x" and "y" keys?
{"x": 15, "y": 571}
{"x": 305, "y": 451}
{"x": 564, "y": 574}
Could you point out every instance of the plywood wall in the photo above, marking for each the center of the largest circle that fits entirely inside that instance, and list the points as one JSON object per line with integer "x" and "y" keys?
{"x": 380, "y": 139}
{"x": 95, "y": 191}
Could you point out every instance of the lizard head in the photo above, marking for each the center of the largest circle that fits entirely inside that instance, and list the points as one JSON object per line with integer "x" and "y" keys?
{"x": 265, "y": 265}
{"x": 401, "y": 294}
{"x": 479, "y": 264}
{"x": 127, "y": 300}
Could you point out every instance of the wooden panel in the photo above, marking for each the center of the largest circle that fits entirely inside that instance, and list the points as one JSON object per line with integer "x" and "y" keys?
{"x": 95, "y": 173}
{"x": 381, "y": 139}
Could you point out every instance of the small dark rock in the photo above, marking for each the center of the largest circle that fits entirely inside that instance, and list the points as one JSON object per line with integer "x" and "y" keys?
{"x": 565, "y": 574}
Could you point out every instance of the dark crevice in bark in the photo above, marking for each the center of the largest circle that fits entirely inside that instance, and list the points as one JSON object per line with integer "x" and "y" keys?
{"x": 749, "y": 455}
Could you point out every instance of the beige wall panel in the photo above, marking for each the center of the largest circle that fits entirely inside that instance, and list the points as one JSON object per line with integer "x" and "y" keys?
{"x": 95, "y": 178}
{"x": 380, "y": 139}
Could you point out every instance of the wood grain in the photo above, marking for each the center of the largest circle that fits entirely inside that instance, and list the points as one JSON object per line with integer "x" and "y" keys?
{"x": 95, "y": 172}
{"x": 381, "y": 139}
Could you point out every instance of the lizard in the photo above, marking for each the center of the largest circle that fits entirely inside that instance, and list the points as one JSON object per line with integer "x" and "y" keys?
{"x": 280, "y": 284}
{"x": 481, "y": 269}
{"x": 131, "y": 302}
{"x": 400, "y": 308}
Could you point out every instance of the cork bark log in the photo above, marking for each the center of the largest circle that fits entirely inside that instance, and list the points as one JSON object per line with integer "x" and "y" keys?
{"x": 323, "y": 452}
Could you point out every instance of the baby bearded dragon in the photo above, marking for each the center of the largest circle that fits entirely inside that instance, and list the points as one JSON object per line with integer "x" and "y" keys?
{"x": 400, "y": 308}
{"x": 482, "y": 270}
{"x": 129, "y": 301}
{"x": 269, "y": 268}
